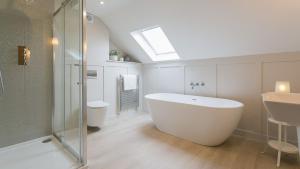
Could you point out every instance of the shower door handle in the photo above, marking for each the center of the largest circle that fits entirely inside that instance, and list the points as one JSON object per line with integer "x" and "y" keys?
{"x": 1, "y": 84}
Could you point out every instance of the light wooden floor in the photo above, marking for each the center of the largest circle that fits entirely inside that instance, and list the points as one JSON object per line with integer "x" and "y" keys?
{"x": 135, "y": 143}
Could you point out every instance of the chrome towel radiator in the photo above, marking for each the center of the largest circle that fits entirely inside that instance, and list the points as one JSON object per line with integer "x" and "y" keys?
{"x": 127, "y": 100}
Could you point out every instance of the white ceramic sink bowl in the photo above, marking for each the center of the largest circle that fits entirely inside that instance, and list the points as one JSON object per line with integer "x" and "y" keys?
{"x": 283, "y": 107}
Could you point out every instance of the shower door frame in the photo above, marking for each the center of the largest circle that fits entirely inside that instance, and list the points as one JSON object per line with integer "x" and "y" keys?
{"x": 82, "y": 156}
{"x": 84, "y": 84}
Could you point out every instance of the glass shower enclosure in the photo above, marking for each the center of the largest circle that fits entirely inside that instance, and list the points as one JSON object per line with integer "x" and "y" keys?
{"x": 42, "y": 84}
{"x": 68, "y": 119}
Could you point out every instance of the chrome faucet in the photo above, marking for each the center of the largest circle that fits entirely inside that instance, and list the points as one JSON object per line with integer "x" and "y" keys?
{"x": 193, "y": 85}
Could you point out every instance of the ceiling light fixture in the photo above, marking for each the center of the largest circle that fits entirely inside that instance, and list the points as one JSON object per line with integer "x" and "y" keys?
{"x": 102, "y": 2}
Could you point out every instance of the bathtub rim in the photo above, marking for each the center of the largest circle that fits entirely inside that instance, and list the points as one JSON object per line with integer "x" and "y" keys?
{"x": 239, "y": 104}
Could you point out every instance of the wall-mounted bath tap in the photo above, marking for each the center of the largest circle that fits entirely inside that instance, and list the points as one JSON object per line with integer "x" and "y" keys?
{"x": 193, "y": 85}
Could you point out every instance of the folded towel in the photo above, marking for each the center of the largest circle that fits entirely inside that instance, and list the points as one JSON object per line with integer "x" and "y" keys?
{"x": 129, "y": 82}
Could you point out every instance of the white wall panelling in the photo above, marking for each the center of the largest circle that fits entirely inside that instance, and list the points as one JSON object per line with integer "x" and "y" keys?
{"x": 112, "y": 72}
{"x": 281, "y": 71}
{"x": 171, "y": 79}
{"x": 111, "y": 75}
{"x": 284, "y": 71}
{"x": 137, "y": 70}
{"x": 150, "y": 85}
{"x": 95, "y": 85}
{"x": 238, "y": 78}
{"x": 201, "y": 74}
{"x": 242, "y": 81}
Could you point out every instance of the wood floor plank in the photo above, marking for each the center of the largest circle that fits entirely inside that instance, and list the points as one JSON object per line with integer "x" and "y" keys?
{"x": 134, "y": 142}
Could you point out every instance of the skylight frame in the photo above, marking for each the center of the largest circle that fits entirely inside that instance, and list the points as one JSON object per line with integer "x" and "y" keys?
{"x": 164, "y": 36}
{"x": 151, "y": 46}
{"x": 148, "y": 47}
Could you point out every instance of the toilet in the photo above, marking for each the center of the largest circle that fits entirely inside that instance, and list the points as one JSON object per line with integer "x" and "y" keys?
{"x": 96, "y": 113}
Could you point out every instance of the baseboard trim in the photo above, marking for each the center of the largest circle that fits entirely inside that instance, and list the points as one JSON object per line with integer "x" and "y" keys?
{"x": 250, "y": 135}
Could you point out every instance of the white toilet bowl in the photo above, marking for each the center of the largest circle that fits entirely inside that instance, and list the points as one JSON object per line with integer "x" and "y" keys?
{"x": 96, "y": 113}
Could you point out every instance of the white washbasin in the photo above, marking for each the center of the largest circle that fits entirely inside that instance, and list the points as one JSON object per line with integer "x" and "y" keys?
{"x": 283, "y": 107}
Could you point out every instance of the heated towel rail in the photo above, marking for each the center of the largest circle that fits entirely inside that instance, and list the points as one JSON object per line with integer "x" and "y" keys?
{"x": 127, "y": 99}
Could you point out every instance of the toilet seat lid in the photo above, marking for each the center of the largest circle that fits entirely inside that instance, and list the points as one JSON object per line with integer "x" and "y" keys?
{"x": 97, "y": 104}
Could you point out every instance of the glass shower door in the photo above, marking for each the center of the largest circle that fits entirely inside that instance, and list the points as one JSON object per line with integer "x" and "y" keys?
{"x": 73, "y": 62}
{"x": 59, "y": 77}
{"x": 68, "y": 78}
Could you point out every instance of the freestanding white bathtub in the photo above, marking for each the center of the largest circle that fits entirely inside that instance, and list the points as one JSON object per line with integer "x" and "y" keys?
{"x": 203, "y": 120}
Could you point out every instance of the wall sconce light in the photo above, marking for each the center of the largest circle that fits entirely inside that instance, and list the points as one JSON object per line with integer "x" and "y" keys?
{"x": 55, "y": 41}
{"x": 282, "y": 87}
{"x": 24, "y": 55}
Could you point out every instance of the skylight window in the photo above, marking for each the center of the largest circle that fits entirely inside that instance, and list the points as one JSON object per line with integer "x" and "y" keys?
{"x": 156, "y": 44}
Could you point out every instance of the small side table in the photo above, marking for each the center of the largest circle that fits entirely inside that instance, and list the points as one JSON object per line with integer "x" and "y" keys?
{"x": 279, "y": 144}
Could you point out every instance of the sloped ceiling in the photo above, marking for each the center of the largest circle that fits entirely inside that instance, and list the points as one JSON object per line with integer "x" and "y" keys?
{"x": 205, "y": 28}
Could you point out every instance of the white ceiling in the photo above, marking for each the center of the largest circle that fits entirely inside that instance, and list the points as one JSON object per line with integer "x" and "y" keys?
{"x": 205, "y": 28}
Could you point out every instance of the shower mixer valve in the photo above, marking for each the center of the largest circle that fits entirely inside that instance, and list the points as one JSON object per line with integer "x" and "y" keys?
{"x": 24, "y": 55}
